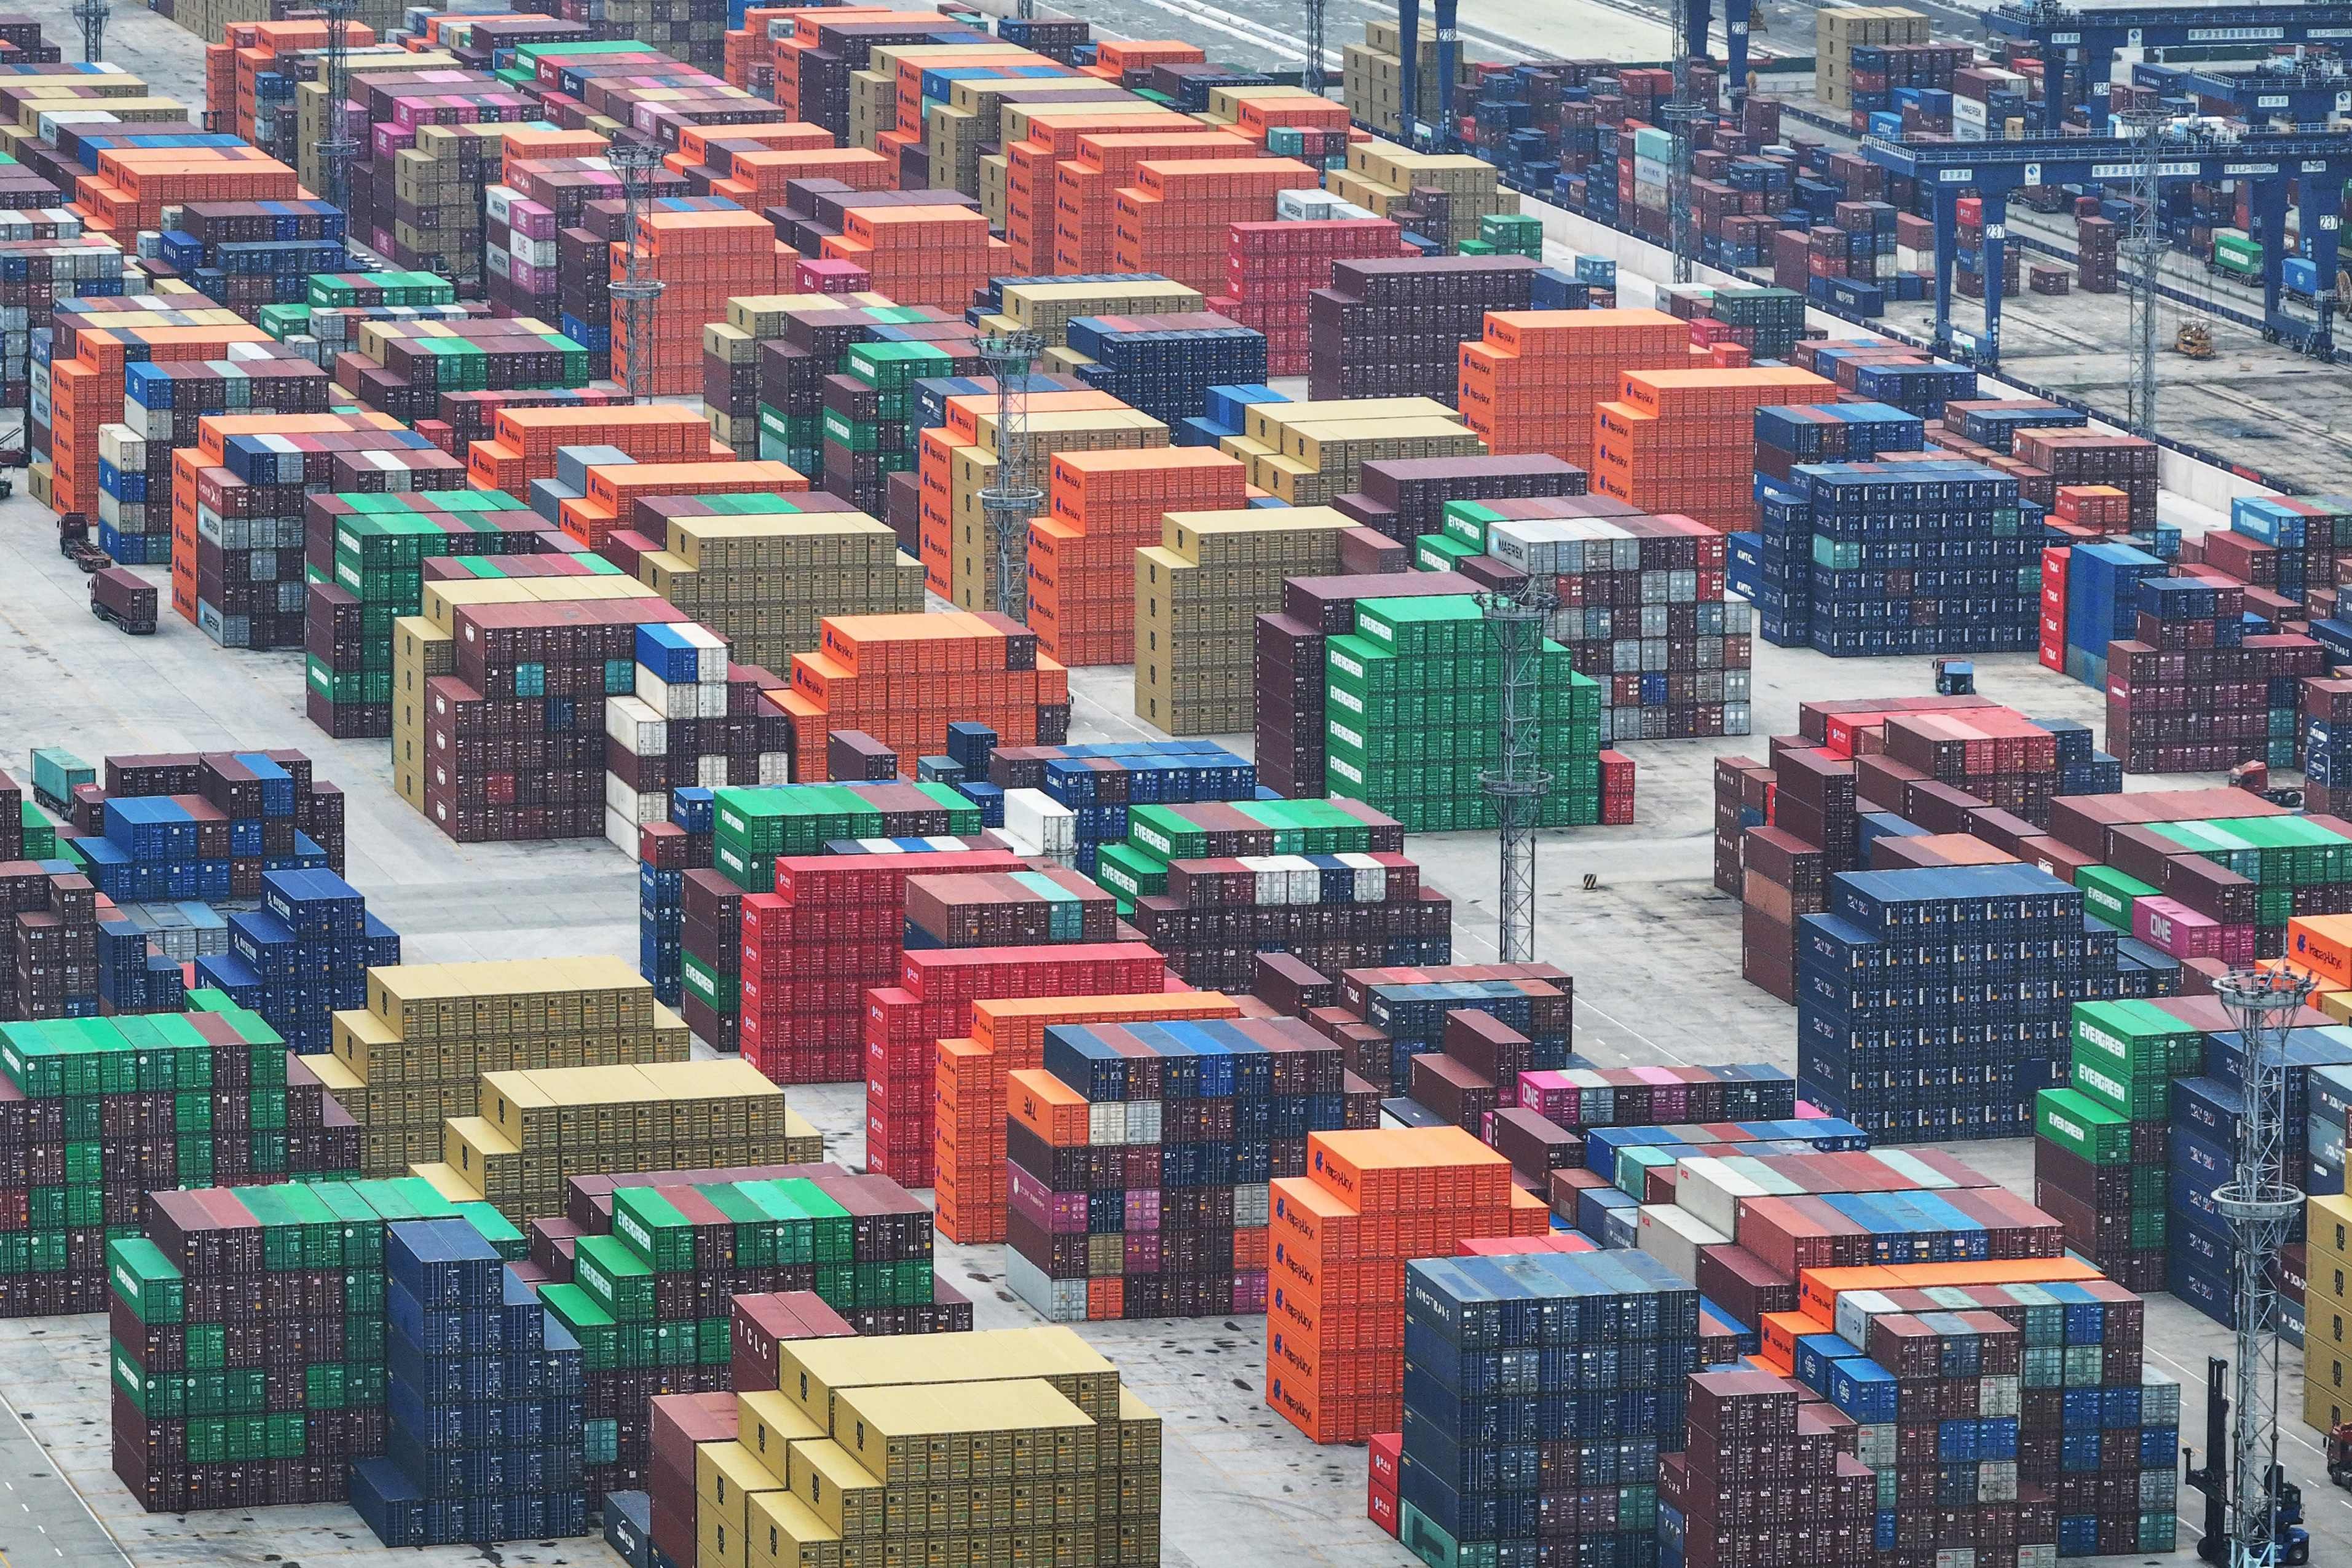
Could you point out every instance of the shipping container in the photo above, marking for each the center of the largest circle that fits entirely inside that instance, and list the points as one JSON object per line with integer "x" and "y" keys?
{"x": 1339, "y": 1239}
{"x": 1105, "y": 1140}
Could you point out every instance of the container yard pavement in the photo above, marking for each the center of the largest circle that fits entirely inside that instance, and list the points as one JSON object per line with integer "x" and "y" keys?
{"x": 1652, "y": 946}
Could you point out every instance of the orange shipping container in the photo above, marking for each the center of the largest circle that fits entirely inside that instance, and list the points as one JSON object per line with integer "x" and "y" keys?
{"x": 1683, "y": 441}
{"x": 1009, "y": 1036}
{"x": 1338, "y": 1241}
{"x": 1084, "y": 237}
{"x": 1173, "y": 219}
{"x": 1102, "y": 508}
{"x": 1534, "y": 378}
{"x": 903, "y": 679}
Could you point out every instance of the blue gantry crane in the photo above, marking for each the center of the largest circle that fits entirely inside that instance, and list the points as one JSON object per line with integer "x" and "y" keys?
{"x": 2316, "y": 163}
{"x": 1419, "y": 132}
{"x": 2300, "y": 90}
{"x": 1697, "y": 17}
{"x": 2076, "y": 44}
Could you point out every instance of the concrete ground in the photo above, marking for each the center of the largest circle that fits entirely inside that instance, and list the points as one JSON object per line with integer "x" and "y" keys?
{"x": 1654, "y": 948}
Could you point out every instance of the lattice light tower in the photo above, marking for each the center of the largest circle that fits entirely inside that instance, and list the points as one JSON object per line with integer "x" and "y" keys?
{"x": 1517, "y": 620}
{"x": 2144, "y": 252}
{"x": 92, "y": 15}
{"x": 1014, "y": 496}
{"x": 1314, "y": 46}
{"x": 340, "y": 146}
{"x": 1680, "y": 115}
{"x": 635, "y": 162}
{"x": 2260, "y": 1207}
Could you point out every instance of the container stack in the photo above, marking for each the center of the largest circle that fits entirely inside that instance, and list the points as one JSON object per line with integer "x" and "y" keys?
{"x": 1394, "y": 328}
{"x": 92, "y": 342}
{"x": 270, "y": 1124}
{"x": 2056, "y": 456}
{"x": 1272, "y": 268}
{"x": 1292, "y": 687}
{"x": 1197, "y": 596}
{"x": 1413, "y": 724}
{"x": 702, "y": 256}
{"x": 195, "y": 1424}
{"x": 957, "y": 460}
{"x": 1745, "y": 1425}
{"x": 2100, "y": 1149}
{"x": 1007, "y": 1037}
{"x": 1179, "y": 1247}
{"x": 1163, "y": 365}
{"x": 1682, "y": 441}
{"x": 1859, "y": 602}
{"x": 1406, "y": 498}
{"x": 1098, "y": 784}
{"x": 1783, "y": 830}
{"x": 660, "y": 1301}
{"x": 1528, "y": 380}
{"x": 882, "y": 675}
{"x": 933, "y": 1000}
{"x": 248, "y": 255}
{"x": 208, "y": 826}
{"x": 1622, "y": 579}
{"x": 483, "y": 696}
{"x": 1465, "y": 1318}
{"x": 1387, "y": 1017}
{"x": 818, "y": 1469}
{"x": 2328, "y": 1225}
{"x": 164, "y": 406}
{"x": 302, "y": 956}
{"x": 468, "y": 1348}
{"x": 402, "y": 368}
{"x": 2195, "y": 691}
{"x": 1941, "y": 1090}
{"x": 540, "y": 1127}
{"x": 1340, "y": 1238}
{"x": 364, "y": 559}
{"x": 394, "y": 1073}
{"x": 238, "y": 510}
{"x": 1172, "y": 219}
{"x": 750, "y": 828}
{"x": 1446, "y": 197}
{"x": 692, "y": 719}
{"x": 1866, "y": 1354}
{"x": 1333, "y": 907}
{"x": 833, "y": 929}
{"x": 1102, "y": 506}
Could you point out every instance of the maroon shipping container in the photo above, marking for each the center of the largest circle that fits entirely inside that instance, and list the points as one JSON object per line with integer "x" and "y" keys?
{"x": 120, "y": 596}
{"x": 759, "y": 1325}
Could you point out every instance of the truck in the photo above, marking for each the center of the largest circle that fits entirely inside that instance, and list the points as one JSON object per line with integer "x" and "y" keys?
{"x": 120, "y": 596}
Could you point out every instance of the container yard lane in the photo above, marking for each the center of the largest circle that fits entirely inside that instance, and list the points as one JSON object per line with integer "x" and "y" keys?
{"x": 44, "y": 1518}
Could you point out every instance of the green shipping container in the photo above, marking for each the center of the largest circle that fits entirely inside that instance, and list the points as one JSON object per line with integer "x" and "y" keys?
{"x": 2082, "y": 1126}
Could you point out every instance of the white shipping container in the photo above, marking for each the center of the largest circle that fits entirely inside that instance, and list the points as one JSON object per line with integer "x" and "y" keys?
{"x": 1038, "y": 819}
{"x": 711, "y": 772}
{"x": 631, "y": 721}
{"x": 1710, "y": 1191}
{"x": 1674, "y": 1235}
{"x": 687, "y": 700}
{"x": 1854, "y": 1311}
{"x": 641, "y": 807}
{"x": 1372, "y": 878}
{"x": 620, "y": 832}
